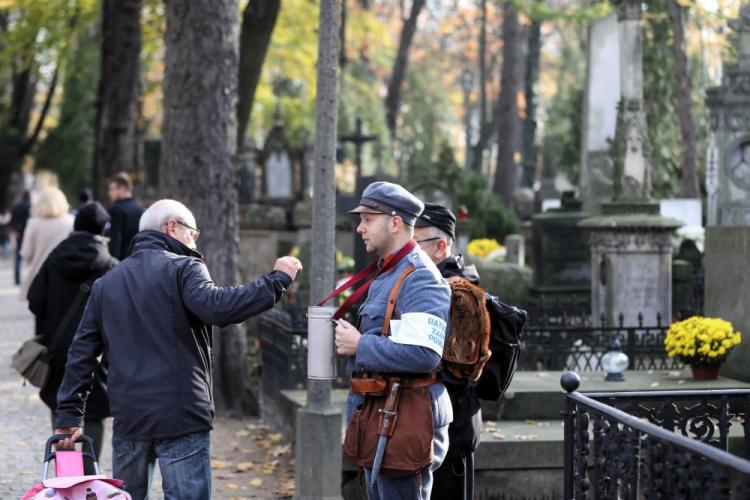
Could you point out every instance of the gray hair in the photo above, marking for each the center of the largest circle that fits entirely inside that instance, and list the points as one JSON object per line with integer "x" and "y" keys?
{"x": 162, "y": 211}
{"x": 434, "y": 232}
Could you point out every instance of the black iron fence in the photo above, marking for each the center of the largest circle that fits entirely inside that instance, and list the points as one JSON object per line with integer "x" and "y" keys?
{"x": 580, "y": 347}
{"x": 660, "y": 445}
{"x": 283, "y": 337}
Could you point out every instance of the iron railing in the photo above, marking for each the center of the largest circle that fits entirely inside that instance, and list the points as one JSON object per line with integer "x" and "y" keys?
{"x": 581, "y": 348}
{"x": 613, "y": 454}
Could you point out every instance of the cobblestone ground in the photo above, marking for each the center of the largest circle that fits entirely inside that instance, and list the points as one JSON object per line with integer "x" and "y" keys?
{"x": 248, "y": 460}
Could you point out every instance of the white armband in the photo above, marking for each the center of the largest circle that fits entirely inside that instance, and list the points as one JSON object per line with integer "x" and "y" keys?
{"x": 420, "y": 329}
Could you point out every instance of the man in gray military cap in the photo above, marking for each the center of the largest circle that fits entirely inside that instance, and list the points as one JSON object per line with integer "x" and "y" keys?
{"x": 407, "y": 349}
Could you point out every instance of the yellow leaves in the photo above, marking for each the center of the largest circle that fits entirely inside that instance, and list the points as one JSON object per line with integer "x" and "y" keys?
{"x": 269, "y": 467}
{"x": 244, "y": 466}
{"x": 274, "y": 438}
{"x": 242, "y": 433}
{"x": 256, "y": 482}
{"x": 219, "y": 464}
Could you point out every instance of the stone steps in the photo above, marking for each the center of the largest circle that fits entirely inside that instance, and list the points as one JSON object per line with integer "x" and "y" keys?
{"x": 521, "y": 450}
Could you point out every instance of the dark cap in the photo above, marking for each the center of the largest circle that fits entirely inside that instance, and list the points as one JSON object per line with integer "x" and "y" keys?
{"x": 391, "y": 199}
{"x": 91, "y": 218}
{"x": 440, "y": 217}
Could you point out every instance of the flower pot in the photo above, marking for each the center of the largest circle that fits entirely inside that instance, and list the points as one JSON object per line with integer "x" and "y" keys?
{"x": 705, "y": 372}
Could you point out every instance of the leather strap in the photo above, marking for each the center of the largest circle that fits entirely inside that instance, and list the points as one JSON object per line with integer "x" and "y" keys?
{"x": 375, "y": 380}
{"x": 386, "y": 328}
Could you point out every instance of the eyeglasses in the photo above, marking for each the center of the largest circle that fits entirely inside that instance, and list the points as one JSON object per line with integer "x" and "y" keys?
{"x": 428, "y": 239}
{"x": 196, "y": 232}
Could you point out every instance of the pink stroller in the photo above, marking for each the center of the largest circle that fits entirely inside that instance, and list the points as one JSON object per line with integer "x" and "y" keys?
{"x": 69, "y": 482}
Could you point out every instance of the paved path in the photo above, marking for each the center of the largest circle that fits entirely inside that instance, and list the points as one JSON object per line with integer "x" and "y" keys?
{"x": 249, "y": 461}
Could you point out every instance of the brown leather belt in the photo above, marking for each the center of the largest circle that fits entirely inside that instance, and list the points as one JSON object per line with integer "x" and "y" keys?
{"x": 378, "y": 384}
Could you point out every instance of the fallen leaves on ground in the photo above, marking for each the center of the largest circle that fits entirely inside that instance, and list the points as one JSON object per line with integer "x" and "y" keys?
{"x": 525, "y": 437}
{"x": 244, "y": 466}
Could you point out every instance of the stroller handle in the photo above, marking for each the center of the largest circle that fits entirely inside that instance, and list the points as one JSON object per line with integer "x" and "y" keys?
{"x": 49, "y": 452}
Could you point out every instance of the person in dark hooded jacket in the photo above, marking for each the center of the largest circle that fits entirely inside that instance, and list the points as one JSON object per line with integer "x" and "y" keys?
{"x": 435, "y": 232}
{"x": 80, "y": 258}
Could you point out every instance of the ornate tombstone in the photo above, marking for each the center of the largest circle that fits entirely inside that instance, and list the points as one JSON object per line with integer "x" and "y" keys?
{"x": 278, "y": 165}
{"x": 631, "y": 252}
{"x": 728, "y": 155}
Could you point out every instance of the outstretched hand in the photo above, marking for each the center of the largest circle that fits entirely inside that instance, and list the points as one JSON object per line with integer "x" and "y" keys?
{"x": 288, "y": 265}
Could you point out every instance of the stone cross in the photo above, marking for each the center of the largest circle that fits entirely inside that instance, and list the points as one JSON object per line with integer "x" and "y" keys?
{"x": 359, "y": 139}
{"x": 630, "y": 149}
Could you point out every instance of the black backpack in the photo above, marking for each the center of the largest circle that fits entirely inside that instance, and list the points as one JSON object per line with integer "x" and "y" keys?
{"x": 506, "y": 325}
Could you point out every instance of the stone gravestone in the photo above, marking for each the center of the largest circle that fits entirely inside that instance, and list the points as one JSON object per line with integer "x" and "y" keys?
{"x": 599, "y": 112}
{"x": 516, "y": 248}
{"x": 433, "y": 192}
{"x": 278, "y": 167}
{"x": 727, "y": 277}
{"x": 728, "y": 155}
{"x": 631, "y": 250}
{"x": 561, "y": 253}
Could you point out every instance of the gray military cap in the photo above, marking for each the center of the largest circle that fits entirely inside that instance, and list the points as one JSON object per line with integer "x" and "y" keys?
{"x": 391, "y": 199}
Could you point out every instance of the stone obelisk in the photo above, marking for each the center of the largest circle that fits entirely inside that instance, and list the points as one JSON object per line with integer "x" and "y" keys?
{"x": 631, "y": 252}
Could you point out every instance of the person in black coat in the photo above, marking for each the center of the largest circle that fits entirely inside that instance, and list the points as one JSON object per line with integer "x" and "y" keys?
{"x": 19, "y": 216}
{"x": 152, "y": 318}
{"x": 454, "y": 480}
{"x": 125, "y": 212}
{"x": 80, "y": 258}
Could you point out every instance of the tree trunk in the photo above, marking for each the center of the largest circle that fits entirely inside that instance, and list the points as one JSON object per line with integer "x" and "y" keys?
{"x": 509, "y": 125}
{"x": 258, "y": 21}
{"x": 117, "y": 103}
{"x": 393, "y": 97}
{"x": 483, "y": 65}
{"x": 197, "y": 158}
{"x": 14, "y": 128}
{"x": 528, "y": 133}
{"x": 690, "y": 187}
{"x": 477, "y": 149}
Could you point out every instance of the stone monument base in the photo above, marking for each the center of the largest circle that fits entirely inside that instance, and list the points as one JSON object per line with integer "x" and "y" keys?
{"x": 727, "y": 279}
{"x": 631, "y": 263}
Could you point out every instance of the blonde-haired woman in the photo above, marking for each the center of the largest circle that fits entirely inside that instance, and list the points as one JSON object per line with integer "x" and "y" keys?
{"x": 50, "y": 223}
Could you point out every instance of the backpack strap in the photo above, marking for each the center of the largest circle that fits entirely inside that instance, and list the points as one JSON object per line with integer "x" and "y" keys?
{"x": 386, "y": 329}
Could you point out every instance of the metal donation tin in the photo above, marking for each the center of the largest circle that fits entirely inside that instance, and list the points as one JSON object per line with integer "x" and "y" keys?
{"x": 321, "y": 351}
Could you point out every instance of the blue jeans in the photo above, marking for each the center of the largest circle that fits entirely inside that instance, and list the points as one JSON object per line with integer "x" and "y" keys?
{"x": 184, "y": 462}
{"x": 17, "y": 265}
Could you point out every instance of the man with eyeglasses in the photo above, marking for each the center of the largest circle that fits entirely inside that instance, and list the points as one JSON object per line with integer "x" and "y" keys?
{"x": 151, "y": 316}
{"x": 435, "y": 231}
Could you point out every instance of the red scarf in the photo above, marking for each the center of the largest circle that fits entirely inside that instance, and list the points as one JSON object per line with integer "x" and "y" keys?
{"x": 388, "y": 263}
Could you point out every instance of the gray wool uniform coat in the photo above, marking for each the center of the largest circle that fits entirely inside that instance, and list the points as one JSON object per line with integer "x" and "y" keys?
{"x": 416, "y": 341}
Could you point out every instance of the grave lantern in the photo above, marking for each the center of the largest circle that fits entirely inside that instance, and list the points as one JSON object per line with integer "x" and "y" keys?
{"x": 615, "y": 362}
